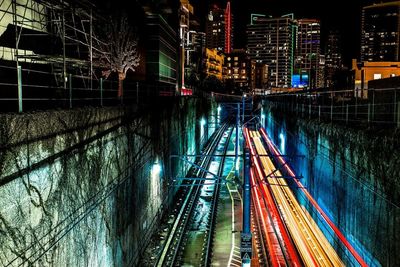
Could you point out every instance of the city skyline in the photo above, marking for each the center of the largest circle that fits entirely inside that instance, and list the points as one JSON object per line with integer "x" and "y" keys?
{"x": 348, "y": 26}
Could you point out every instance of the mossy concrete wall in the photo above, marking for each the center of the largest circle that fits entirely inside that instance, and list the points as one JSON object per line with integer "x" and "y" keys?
{"x": 79, "y": 187}
{"x": 354, "y": 176}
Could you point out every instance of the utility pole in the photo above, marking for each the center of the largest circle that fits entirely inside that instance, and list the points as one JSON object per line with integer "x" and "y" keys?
{"x": 243, "y": 102}
{"x": 246, "y": 239}
{"x": 16, "y": 53}
{"x": 237, "y": 141}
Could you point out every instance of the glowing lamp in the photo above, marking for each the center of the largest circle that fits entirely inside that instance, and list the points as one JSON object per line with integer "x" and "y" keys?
{"x": 156, "y": 169}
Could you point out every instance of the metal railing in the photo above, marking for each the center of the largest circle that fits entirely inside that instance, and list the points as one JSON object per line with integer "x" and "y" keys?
{"x": 27, "y": 89}
{"x": 380, "y": 107}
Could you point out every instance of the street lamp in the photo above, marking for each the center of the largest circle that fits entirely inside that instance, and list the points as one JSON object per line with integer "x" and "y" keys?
{"x": 202, "y": 130}
{"x": 262, "y": 115}
{"x": 219, "y": 114}
{"x": 156, "y": 170}
{"x": 203, "y": 122}
{"x": 282, "y": 139}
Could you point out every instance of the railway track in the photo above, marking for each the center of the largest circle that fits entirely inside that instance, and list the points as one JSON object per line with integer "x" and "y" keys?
{"x": 208, "y": 246}
{"x": 174, "y": 246}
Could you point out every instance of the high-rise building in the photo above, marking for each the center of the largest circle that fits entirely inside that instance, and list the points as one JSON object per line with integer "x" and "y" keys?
{"x": 271, "y": 41}
{"x": 237, "y": 69}
{"x": 308, "y": 52}
{"x": 380, "y": 32}
{"x": 219, "y": 28}
{"x": 333, "y": 57}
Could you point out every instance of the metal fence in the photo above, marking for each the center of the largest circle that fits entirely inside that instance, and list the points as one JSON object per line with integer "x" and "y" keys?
{"x": 26, "y": 89}
{"x": 380, "y": 107}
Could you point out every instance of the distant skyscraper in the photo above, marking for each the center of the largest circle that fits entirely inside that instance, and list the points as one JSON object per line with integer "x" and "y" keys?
{"x": 270, "y": 41}
{"x": 308, "y": 51}
{"x": 380, "y": 32}
{"x": 333, "y": 57}
{"x": 219, "y": 29}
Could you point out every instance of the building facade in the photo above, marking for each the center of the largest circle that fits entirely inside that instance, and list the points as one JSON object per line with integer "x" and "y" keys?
{"x": 380, "y": 32}
{"x": 259, "y": 77}
{"x": 237, "y": 70}
{"x": 308, "y": 53}
{"x": 161, "y": 51}
{"x": 214, "y": 63}
{"x": 369, "y": 71}
{"x": 195, "y": 56}
{"x": 271, "y": 41}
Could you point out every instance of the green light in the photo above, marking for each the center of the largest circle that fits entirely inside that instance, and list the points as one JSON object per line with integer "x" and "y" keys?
{"x": 255, "y": 16}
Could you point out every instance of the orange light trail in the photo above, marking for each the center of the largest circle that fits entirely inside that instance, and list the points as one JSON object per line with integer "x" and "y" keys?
{"x": 336, "y": 230}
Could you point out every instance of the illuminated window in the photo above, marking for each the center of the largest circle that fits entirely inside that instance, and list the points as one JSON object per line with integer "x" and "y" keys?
{"x": 377, "y": 76}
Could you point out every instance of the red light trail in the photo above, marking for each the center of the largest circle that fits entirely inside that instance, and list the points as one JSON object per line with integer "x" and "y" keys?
{"x": 336, "y": 230}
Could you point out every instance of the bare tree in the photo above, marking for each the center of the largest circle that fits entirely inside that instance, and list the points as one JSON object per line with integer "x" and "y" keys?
{"x": 120, "y": 52}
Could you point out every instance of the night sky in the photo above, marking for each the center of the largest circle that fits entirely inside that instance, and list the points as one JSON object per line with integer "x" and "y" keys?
{"x": 343, "y": 16}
